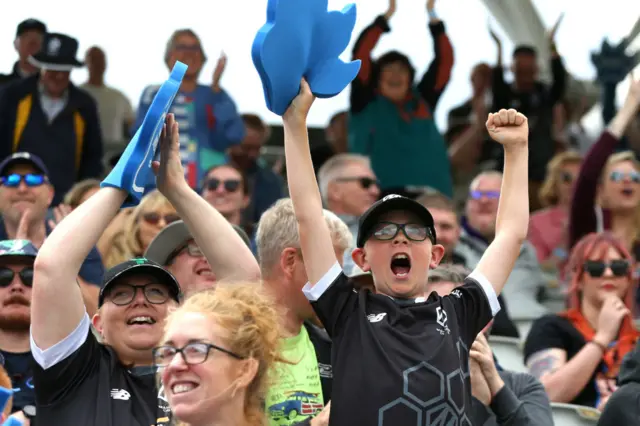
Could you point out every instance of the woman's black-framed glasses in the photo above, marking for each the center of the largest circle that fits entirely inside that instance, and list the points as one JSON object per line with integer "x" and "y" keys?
{"x": 192, "y": 353}
{"x": 7, "y": 275}
{"x": 123, "y": 294}
{"x": 386, "y": 231}
{"x": 596, "y": 268}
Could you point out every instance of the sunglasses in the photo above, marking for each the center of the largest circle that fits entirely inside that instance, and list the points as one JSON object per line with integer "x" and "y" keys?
{"x": 123, "y": 294}
{"x": 567, "y": 177}
{"x": 492, "y": 195}
{"x": 7, "y": 275}
{"x": 30, "y": 179}
{"x": 596, "y": 268}
{"x": 388, "y": 230}
{"x": 192, "y": 250}
{"x": 231, "y": 185}
{"x": 365, "y": 182}
{"x": 154, "y": 218}
{"x": 616, "y": 176}
{"x": 192, "y": 353}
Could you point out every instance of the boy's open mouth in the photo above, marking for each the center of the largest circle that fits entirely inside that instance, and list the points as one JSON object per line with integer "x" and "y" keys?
{"x": 400, "y": 265}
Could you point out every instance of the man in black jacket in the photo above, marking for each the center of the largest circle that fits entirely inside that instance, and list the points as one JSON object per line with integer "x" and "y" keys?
{"x": 48, "y": 116}
{"x": 28, "y": 42}
{"x": 623, "y": 407}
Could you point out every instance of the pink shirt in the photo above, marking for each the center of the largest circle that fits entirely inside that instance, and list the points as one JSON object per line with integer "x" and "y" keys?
{"x": 548, "y": 231}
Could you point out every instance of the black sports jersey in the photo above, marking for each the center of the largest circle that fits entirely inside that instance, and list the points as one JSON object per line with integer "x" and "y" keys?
{"x": 90, "y": 387}
{"x": 404, "y": 362}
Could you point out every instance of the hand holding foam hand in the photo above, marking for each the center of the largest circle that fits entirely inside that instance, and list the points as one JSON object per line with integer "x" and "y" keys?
{"x": 303, "y": 39}
{"x": 133, "y": 172}
{"x": 509, "y": 128}
{"x": 300, "y": 106}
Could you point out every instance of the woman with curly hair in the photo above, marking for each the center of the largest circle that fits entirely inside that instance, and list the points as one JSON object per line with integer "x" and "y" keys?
{"x": 576, "y": 354}
{"x": 217, "y": 354}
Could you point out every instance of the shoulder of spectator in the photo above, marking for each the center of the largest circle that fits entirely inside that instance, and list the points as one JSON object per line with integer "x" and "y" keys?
{"x": 522, "y": 384}
{"x": 148, "y": 93}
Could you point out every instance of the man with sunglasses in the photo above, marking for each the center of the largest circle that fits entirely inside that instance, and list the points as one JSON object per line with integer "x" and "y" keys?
{"x": 478, "y": 231}
{"x": 16, "y": 278}
{"x": 175, "y": 249}
{"x": 79, "y": 381}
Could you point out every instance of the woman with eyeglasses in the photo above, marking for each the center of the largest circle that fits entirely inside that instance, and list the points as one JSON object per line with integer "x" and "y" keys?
{"x": 131, "y": 236}
{"x": 607, "y": 192}
{"x": 576, "y": 354}
{"x": 216, "y": 356}
{"x": 548, "y": 227}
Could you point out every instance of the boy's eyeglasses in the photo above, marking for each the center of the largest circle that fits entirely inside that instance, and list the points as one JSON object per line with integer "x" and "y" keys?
{"x": 414, "y": 232}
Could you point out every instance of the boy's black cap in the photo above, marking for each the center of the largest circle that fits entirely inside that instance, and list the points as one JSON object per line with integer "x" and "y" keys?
{"x": 140, "y": 266}
{"x": 390, "y": 203}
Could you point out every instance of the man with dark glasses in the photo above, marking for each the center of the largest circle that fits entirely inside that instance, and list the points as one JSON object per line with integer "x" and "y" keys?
{"x": 16, "y": 279}
{"x": 25, "y": 187}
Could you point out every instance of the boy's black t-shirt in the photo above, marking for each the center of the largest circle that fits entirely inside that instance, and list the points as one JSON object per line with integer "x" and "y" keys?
{"x": 556, "y": 332}
{"x": 397, "y": 362}
{"x": 90, "y": 387}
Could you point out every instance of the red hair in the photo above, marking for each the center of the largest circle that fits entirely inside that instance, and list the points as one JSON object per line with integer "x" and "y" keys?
{"x": 585, "y": 248}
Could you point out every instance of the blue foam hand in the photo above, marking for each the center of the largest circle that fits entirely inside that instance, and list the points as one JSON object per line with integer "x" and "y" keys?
{"x": 303, "y": 39}
{"x": 12, "y": 421}
{"x": 5, "y": 394}
{"x": 133, "y": 171}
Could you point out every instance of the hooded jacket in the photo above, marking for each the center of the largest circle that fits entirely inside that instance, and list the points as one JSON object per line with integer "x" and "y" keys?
{"x": 623, "y": 407}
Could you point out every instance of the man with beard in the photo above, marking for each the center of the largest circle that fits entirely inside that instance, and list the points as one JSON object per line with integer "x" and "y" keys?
{"x": 16, "y": 277}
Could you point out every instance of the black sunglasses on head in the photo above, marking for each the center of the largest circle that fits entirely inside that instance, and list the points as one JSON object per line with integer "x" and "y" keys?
{"x": 596, "y": 268}
{"x": 6, "y": 276}
{"x": 365, "y": 182}
{"x": 230, "y": 185}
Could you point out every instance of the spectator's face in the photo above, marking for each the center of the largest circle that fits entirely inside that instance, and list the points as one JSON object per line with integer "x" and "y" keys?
{"x": 195, "y": 391}
{"x": 96, "y": 61}
{"x": 392, "y": 275}
{"x": 15, "y": 294}
{"x": 152, "y": 221}
{"x": 186, "y": 49}
{"x": 224, "y": 190}
{"x": 621, "y": 186}
{"x": 442, "y": 288}
{"x": 247, "y": 153}
{"x": 482, "y": 205}
{"x": 447, "y": 228}
{"x": 137, "y": 326}
{"x": 481, "y": 78}
{"x": 55, "y": 82}
{"x": 338, "y": 130}
{"x": 355, "y": 190}
{"x": 191, "y": 269}
{"x": 14, "y": 201}
{"x": 595, "y": 289}
{"x": 568, "y": 174}
{"x": 395, "y": 81}
{"x": 28, "y": 44}
{"x": 525, "y": 69}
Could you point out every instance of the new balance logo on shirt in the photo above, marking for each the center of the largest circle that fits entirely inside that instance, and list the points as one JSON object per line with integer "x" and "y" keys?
{"x": 120, "y": 394}
{"x": 376, "y": 317}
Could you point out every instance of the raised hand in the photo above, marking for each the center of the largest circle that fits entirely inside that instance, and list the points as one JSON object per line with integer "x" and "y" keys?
{"x": 551, "y": 35}
{"x": 391, "y": 10}
{"x": 508, "y": 127}
{"x": 431, "y": 5}
{"x": 494, "y": 36}
{"x": 59, "y": 212}
{"x": 611, "y": 315}
{"x": 169, "y": 171}
{"x": 218, "y": 71}
{"x": 634, "y": 91}
{"x": 300, "y": 106}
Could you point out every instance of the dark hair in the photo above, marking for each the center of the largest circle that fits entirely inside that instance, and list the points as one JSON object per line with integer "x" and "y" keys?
{"x": 253, "y": 121}
{"x": 389, "y": 58}
{"x": 243, "y": 177}
{"x": 524, "y": 49}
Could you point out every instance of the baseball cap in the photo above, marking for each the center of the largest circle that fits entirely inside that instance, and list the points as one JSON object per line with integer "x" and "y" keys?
{"x": 172, "y": 237}
{"x": 390, "y": 203}
{"x": 23, "y": 158}
{"x": 139, "y": 266}
{"x": 30, "y": 25}
{"x": 17, "y": 248}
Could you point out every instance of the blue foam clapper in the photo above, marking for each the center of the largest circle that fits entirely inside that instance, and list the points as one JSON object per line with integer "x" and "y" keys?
{"x": 12, "y": 421}
{"x": 133, "y": 171}
{"x": 301, "y": 38}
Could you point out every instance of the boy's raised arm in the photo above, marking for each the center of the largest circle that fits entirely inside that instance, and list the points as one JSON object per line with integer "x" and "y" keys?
{"x": 511, "y": 130}
{"x": 315, "y": 238}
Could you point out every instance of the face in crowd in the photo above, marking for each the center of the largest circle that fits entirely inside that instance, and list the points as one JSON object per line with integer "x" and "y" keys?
{"x": 225, "y": 189}
{"x": 96, "y": 61}
{"x": 191, "y": 268}
{"x": 28, "y": 44}
{"x": 447, "y": 228}
{"x": 186, "y": 48}
{"x": 620, "y": 184}
{"x": 395, "y": 81}
{"x": 246, "y": 154}
{"x": 152, "y": 218}
{"x": 355, "y": 189}
{"x": 16, "y": 278}
{"x": 525, "y": 69}
{"x": 481, "y": 208}
{"x": 399, "y": 255}
{"x": 24, "y": 188}
{"x": 55, "y": 83}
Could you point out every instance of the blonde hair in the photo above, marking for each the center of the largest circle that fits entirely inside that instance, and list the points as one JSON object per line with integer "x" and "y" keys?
{"x": 5, "y": 382}
{"x": 332, "y": 169}
{"x": 249, "y": 315}
{"x": 74, "y": 196}
{"x": 548, "y": 193}
{"x": 278, "y": 230}
{"x": 619, "y": 157}
{"x": 126, "y": 242}
{"x": 172, "y": 43}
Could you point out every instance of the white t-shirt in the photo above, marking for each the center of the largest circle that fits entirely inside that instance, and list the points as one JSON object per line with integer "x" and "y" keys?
{"x": 114, "y": 110}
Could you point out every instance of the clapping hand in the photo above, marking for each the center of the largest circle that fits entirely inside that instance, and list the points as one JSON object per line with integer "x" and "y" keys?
{"x": 218, "y": 71}
{"x": 169, "y": 171}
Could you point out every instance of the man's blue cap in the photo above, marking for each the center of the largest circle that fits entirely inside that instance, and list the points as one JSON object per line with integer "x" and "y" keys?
{"x": 17, "y": 248}
{"x": 23, "y": 158}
